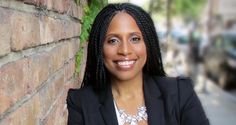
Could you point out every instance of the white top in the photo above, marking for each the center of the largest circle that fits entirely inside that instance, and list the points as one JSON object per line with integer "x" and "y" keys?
{"x": 123, "y": 118}
{"x": 120, "y": 121}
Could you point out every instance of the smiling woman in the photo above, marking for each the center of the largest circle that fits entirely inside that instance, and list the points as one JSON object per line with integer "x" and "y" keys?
{"x": 124, "y": 82}
{"x": 124, "y": 49}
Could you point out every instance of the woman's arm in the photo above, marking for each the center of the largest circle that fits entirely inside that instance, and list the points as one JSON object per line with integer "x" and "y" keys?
{"x": 74, "y": 110}
{"x": 191, "y": 110}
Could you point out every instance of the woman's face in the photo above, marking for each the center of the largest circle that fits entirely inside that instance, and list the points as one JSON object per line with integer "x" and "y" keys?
{"x": 124, "y": 48}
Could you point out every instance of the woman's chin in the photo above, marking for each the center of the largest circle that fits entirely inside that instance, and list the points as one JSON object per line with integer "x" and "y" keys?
{"x": 125, "y": 76}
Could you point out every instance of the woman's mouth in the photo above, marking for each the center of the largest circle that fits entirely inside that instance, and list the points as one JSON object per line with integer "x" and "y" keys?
{"x": 125, "y": 64}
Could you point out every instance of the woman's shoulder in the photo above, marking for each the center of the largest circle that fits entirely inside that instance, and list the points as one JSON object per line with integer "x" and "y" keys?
{"x": 174, "y": 84}
{"x": 179, "y": 88}
{"x": 78, "y": 95}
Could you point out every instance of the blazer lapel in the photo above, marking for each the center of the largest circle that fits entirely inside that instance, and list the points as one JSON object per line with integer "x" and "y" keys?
{"x": 107, "y": 108}
{"x": 153, "y": 102}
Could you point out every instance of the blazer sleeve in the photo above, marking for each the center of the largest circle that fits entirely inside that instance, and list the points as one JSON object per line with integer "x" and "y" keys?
{"x": 191, "y": 110}
{"x": 74, "y": 109}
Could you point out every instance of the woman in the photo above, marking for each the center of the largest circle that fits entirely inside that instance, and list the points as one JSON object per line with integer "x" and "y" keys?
{"x": 124, "y": 82}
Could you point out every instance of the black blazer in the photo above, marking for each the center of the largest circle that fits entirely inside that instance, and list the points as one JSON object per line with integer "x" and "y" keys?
{"x": 167, "y": 102}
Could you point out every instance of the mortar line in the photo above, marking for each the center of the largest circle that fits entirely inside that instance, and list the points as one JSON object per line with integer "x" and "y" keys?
{"x": 28, "y": 96}
{"x": 14, "y": 56}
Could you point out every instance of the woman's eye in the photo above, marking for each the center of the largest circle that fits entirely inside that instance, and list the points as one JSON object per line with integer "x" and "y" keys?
{"x": 135, "y": 39}
{"x": 112, "y": 41}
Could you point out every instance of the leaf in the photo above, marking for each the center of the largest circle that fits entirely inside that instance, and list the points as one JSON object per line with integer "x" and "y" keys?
{"x": 90, "y": 13}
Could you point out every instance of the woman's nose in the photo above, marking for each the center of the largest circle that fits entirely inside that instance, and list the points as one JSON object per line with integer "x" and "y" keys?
{"x": 124, "y": 48}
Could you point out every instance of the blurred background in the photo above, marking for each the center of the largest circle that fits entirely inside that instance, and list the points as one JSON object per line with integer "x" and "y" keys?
{"x": 198, "y": 39}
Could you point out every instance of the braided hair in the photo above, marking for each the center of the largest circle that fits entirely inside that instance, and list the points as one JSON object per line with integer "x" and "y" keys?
{"x": 95, "y": 73}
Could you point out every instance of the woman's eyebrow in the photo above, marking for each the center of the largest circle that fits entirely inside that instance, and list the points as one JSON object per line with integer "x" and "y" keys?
{"x": 117, "y": 35}
{"x": 111, "y": 35}
{"x": 135, "y": 33}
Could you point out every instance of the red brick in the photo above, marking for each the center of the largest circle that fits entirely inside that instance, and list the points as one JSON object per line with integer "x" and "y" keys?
{"x": 70, "y": 10}
{"x": 80, "y": 12}
{"x": 58, "y": 116}
{"x": 46, "y": 99}
{"x": 25, "y": 31}
{"x": 70, "y": 69}
{"x": 27, "y": 114}
{"x": 4, "y": 31}
{"x": 53, "y": 30}
{"x": 74, "y": 10}
{"x": 77, "y": 28}
{"x": 73, "y": 83}
{"x": 61, "y": 34}
{"x": 67, "y": 31}
{"x": 58, "y": 84}
{"x": 42, "y": 3}
{"x": 39, "y": 65}
{"x": 64, "y": 30}
{"x": 58, "y": 6}
{"x": 56, "y": 59}
{"x": 66, "y": 5}
{"x": 59, "y": 55}
{"x": 14, "y": 83}
{"x": 31, "y": 2}
{"x": 49, "y": 4}
{"x": 75, "y": 46}
{"x": 83, "y": 64}
{"x": 50, "y": 92}
{"x": 65, "y": 51}
{"x": 49, "y": 30}
{"x": 22, "y": 30}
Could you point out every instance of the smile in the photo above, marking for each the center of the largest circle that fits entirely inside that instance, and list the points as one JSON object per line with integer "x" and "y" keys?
{"x": 125, "y": 64}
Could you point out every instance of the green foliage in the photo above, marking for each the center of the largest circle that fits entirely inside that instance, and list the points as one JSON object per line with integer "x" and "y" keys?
{"x": 184, "y": 8}
{"x": 79, "y": 57}
{"x": 156, "y": 6}
{"x": 77, "y": 2}
{"x": 90, "y": 12}
{"x": 188, "y": 8}
{"x": 87, "y": 20}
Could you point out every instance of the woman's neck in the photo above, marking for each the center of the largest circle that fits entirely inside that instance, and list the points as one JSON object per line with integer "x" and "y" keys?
{"x": 129, "y": 88}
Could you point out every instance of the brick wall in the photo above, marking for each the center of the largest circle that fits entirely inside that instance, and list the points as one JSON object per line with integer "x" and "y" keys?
{"x": 38, "y": 43}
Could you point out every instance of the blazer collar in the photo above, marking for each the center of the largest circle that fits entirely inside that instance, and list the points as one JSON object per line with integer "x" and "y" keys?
{"x": 107, "y": 108}
{"x": 153, "y": 102}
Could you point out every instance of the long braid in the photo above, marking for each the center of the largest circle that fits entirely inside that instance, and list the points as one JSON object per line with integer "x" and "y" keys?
{"x": 95, "y": 72}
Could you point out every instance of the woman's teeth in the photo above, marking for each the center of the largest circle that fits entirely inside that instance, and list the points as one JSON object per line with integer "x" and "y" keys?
{"x": 125, "y": 63}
